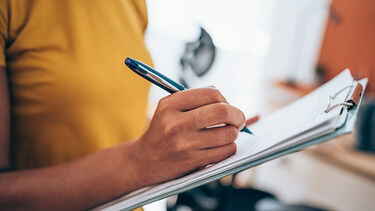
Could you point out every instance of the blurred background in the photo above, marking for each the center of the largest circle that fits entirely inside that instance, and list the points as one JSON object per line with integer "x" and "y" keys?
{"x": 262, "y": 55}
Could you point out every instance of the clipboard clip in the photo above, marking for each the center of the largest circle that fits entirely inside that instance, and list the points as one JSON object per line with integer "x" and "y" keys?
{"x": 349, "y": 104}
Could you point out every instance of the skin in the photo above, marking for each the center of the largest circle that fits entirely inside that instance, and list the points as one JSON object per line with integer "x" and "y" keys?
{"x": 176, "y": 142}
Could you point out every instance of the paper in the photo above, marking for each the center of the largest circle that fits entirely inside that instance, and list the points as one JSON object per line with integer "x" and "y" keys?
{"x": 297, "y": 122}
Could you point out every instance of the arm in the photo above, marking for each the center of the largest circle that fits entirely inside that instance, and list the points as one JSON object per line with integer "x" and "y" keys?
{"x": 77, "y": 185}
{"x": 175, "y": 144}
{"x": 4, "y": 121}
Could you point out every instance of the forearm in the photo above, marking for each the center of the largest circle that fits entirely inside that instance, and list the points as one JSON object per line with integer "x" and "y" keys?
{"x": 4, "y": 120}
{"x": 77, "y": 185}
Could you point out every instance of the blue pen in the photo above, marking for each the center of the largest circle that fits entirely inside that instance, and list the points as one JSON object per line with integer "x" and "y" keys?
{"x": 159, "y": 79}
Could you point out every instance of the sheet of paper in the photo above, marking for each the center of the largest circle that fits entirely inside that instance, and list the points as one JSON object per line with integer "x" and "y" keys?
{"x": 299, "y": 121}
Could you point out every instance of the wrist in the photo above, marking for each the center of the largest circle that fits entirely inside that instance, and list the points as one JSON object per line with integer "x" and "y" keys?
{"x": 133, "y": 171}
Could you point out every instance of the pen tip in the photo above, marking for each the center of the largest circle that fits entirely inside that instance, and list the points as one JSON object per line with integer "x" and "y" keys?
{"x": 246, "y": 130}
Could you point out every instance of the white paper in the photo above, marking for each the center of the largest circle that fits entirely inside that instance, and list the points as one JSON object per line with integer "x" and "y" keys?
{"x": 296, "y": 123}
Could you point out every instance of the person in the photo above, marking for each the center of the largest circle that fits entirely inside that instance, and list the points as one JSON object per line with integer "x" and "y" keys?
{"x": 73, "y": 129}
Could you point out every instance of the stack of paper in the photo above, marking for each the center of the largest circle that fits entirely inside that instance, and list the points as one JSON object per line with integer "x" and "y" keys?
{"x": 297, "y": 123}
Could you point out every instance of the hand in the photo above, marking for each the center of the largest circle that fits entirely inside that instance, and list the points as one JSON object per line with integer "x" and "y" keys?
{"x": 178, "y": 140}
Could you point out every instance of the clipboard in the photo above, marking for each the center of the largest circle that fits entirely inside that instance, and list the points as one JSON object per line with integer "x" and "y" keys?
{"x": 352, "y": 105}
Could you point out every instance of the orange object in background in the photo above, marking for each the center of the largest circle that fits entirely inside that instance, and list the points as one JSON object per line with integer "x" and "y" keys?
{"x": 349, "y": 41}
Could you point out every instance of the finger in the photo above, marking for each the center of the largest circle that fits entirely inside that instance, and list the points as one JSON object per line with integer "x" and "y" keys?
{"x": 194, "y": 98}
{"x": 217, "y": 154}
{"x": 215, "y": 137}
{"x": 252, "y": 120}
{"x": 216, "y": 113}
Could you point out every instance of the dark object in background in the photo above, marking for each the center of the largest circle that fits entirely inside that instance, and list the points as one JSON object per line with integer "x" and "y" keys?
{"x": 198, "y": 56}
{"x": 366, "y": 127}
{"x": 217, "y": 197}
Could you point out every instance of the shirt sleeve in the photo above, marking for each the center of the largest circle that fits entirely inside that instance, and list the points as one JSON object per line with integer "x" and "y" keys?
{"x": 3, "y": 30}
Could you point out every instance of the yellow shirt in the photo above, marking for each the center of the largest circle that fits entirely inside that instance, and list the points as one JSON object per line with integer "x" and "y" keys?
{"x": 70, "y": 91}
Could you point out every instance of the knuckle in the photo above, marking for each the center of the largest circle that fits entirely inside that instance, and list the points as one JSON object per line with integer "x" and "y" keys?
{"x": 171, "y": 128}
{"x": 223, "y": 110}
{"x": 243, "y": 118}
{"x": 216, "y": 95}
{"x": 163, "y": 105}
{"x": 163, "y": 100}
{"x": 177, "y": 146}
{"x": 212, "y": 94}
{"x": 231, "y": 133}
{"x": 232, "y": 148}
{"x": 182, "y": 149}
{"x": 166, "y": 131}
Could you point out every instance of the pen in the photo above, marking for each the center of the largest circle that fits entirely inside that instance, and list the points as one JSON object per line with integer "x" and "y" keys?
{"x": 159, "y": 79}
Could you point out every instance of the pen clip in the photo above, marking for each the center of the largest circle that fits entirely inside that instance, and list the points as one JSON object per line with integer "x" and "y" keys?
{"x": 159, "y": 81}
{"x": 158, "y": 75}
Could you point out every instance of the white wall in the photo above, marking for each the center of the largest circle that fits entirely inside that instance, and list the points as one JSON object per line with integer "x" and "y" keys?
{"x": 265, "y": 39}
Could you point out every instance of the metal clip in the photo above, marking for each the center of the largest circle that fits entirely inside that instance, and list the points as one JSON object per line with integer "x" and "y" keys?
{"x": 349, "y": 104}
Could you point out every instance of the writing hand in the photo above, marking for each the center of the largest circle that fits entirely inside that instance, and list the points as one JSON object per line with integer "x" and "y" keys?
{"x": 178, "y": 140}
